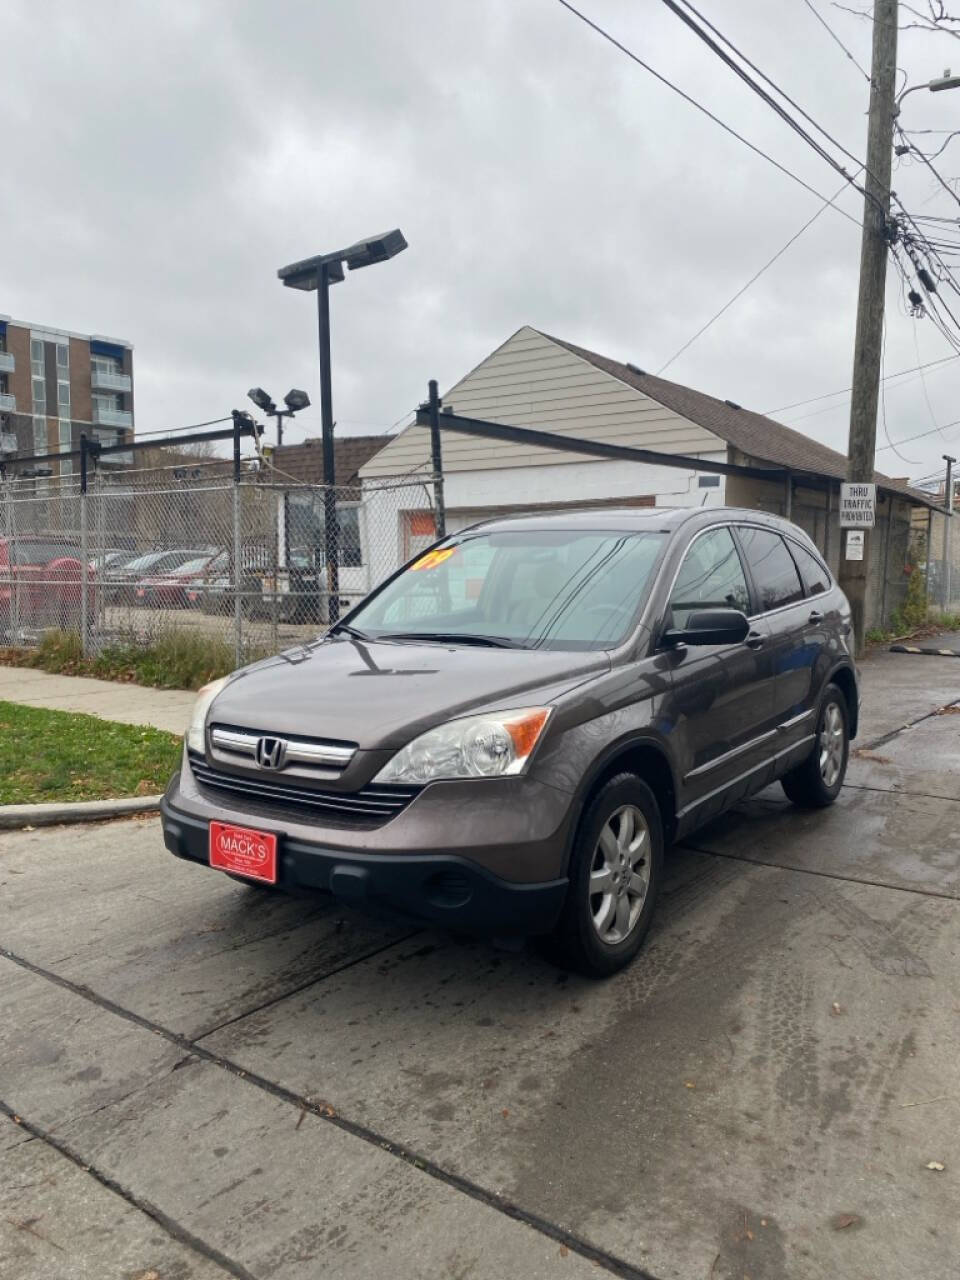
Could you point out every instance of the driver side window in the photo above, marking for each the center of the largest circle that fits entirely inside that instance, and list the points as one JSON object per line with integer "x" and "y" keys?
{"x": 711, "y": 577}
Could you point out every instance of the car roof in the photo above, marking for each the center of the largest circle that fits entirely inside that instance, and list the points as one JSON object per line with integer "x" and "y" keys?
{"x": 639, "y": 519}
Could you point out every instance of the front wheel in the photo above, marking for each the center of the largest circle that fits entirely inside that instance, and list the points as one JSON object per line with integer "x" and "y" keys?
{"x": 615, "y": 872}
{"x": 816, "y": 782}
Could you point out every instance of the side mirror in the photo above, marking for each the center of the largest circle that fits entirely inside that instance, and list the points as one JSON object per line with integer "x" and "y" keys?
{"x": 710, "y": 626}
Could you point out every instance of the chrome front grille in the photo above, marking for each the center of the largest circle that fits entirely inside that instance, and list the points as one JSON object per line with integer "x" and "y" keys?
{"x": 233, "y": 745}
{"x": 370, "y": 806}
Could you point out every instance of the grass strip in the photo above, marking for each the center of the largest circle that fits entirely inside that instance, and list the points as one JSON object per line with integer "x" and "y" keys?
{"x": 48, "y": 756}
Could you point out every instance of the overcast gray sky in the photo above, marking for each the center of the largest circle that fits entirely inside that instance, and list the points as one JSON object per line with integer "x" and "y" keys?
{"x": 163, "y": 160}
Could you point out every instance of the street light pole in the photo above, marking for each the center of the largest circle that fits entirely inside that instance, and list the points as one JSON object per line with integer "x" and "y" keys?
{"x": 319, "y": 273}
{"x": 331, "y": 524}
{"x": 295, "y": 400}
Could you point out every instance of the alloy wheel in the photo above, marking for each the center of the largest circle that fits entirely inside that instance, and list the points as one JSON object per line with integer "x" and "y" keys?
{"x": 831, "y": 744}
{"x": 620, "y": 874}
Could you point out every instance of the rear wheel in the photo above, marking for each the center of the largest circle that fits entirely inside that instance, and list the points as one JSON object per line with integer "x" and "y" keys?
{"x": 816, "y": 782}
{"x": 615, "y": 872}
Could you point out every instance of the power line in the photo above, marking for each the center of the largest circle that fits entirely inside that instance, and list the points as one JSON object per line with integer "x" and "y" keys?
{"x": 828, "y": 395}
{"x": 833, "y": 35}
{"x": 169, "y": 431}
{"x": 946, "y": 186}
{"x": 922, "y": 435}
{"x": 700, "y": 107}
{"x": 883, "y": 403}
{"x": 753, "y": 279}
{"x": 762, "y": 93}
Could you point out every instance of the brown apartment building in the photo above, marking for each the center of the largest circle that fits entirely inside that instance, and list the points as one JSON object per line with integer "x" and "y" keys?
{"x": 55, "y": 384}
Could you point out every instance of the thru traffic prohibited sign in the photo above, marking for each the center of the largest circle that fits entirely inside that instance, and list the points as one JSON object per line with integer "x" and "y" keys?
{"x": 858, "y": 505}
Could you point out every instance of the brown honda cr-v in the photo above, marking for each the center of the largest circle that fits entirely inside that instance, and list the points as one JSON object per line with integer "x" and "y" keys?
{"x": 504, "y": 736}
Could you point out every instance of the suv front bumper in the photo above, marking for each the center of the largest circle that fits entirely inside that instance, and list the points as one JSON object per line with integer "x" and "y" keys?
{"x": 439, "y": 888}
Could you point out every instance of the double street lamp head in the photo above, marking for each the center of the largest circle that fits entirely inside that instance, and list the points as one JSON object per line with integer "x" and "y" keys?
{"x": 365, "y": 253}
{"x": 294, "y": 400}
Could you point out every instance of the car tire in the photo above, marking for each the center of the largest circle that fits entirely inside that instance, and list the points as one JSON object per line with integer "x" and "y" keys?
{"x": 816, "y": 782}
{"x": 603, "y": 921}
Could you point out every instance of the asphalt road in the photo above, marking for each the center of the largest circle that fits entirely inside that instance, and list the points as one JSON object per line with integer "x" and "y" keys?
{"x": 199, "y": 1079}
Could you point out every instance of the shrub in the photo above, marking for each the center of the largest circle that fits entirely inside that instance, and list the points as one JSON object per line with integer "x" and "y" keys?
{"x": 174, "y": 660}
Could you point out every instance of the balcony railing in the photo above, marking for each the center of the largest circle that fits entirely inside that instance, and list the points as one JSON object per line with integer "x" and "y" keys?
{"x": 109, "y": 380}
{"x": 8, "y": 403}
{"x": 112, "y": 417}
{"x": 7, "y": 362}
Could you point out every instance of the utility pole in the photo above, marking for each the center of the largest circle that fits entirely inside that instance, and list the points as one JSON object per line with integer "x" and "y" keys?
{"x": 861, "y": 448}
{"x": 947, "y": 532}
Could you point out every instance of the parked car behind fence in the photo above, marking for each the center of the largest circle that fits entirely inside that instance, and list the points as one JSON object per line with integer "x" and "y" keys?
{"x": 40, "y": 578}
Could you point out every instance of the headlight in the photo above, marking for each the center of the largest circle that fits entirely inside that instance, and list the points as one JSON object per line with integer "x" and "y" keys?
{"x": 200, "y": 708}
{"x": 487, "y": 746}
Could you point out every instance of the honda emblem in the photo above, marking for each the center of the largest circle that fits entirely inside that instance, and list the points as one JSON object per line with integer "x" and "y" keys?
{"x": 271, "y": 753}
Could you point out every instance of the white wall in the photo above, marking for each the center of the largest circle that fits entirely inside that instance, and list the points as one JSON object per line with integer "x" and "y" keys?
{"x": 474, "y": 494}
{"x": 533, "y": 382}
{"x": 589, "y": 479}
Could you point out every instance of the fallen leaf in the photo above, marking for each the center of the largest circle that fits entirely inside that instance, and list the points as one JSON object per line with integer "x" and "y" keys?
{"x": 564, "y": 1251}
{"x": 844, "y": 1220}
{"x": 936, "y": 1166}
{"x": 325, "y": 1109}
{"x": 689, "y": 1084}
{"x": 864, "y": 753}
{"x": 835, "y": 1008}
{"x": 28, "y": 828}
{"x": 505, "y": 1112}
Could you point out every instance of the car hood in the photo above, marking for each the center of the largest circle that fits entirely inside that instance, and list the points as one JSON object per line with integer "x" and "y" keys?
{"x": 381, "y": 695}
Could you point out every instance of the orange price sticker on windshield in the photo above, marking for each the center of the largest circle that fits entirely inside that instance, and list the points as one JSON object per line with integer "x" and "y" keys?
{"x": 433, "y": 558}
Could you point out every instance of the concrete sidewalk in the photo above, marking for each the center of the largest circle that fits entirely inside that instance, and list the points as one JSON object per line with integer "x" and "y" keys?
{"x": 129, "y": 703}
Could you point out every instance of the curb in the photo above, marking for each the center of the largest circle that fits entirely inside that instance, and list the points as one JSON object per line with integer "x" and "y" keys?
{"x": 17, "y": 816}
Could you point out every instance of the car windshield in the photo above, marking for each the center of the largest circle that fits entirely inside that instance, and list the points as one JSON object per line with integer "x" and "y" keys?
{"x": 536, "y": 588}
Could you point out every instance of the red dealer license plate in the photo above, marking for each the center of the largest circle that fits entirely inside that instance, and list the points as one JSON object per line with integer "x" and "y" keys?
{"x": 243, "y": 852}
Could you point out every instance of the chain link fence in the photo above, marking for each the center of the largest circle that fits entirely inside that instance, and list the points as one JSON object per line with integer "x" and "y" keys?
{"x": 943, "y": 563}
{"x": 191, "y": 550}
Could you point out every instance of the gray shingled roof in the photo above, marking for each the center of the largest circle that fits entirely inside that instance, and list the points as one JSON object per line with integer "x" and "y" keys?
{"x": 751, "y": 433}
{"x": 304, "y": 462}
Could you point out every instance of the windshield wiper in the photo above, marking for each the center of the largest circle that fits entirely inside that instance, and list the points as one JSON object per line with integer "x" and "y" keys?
{"x": 344, "y": 628}
{"x": 455, "y": 637}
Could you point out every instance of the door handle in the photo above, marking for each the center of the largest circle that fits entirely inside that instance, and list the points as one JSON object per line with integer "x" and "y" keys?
{"x": 816, "y": 616}
{"x": 754, "y": 640}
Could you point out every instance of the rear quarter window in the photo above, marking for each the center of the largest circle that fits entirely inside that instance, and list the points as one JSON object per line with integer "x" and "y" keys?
{"x": 774, "y": 573}
{"x": 815, "y": 578}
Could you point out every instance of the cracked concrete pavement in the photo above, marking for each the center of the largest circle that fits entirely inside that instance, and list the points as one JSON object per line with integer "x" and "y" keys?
{"x": 198, "y": 1079}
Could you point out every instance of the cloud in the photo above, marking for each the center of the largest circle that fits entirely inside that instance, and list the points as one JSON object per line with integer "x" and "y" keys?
{"x": 170, "y": 158}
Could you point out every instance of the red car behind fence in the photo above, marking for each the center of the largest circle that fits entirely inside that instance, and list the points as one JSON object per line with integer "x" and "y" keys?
{"x": 177, "y": 588}
{"x": 40, "y": 580}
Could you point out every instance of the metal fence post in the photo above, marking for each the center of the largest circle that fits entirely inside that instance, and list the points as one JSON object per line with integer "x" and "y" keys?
{"x": 947, "y": 532}
{"x": 237, "y": 566}
{"x": 279, "y": 504}
{"x": 9, "y": 531}
{"x": 439, "y": 505}
{"x": 84, "y": 545}
{"x": 888, "y": 534}
{"x": 928, "y": 557}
